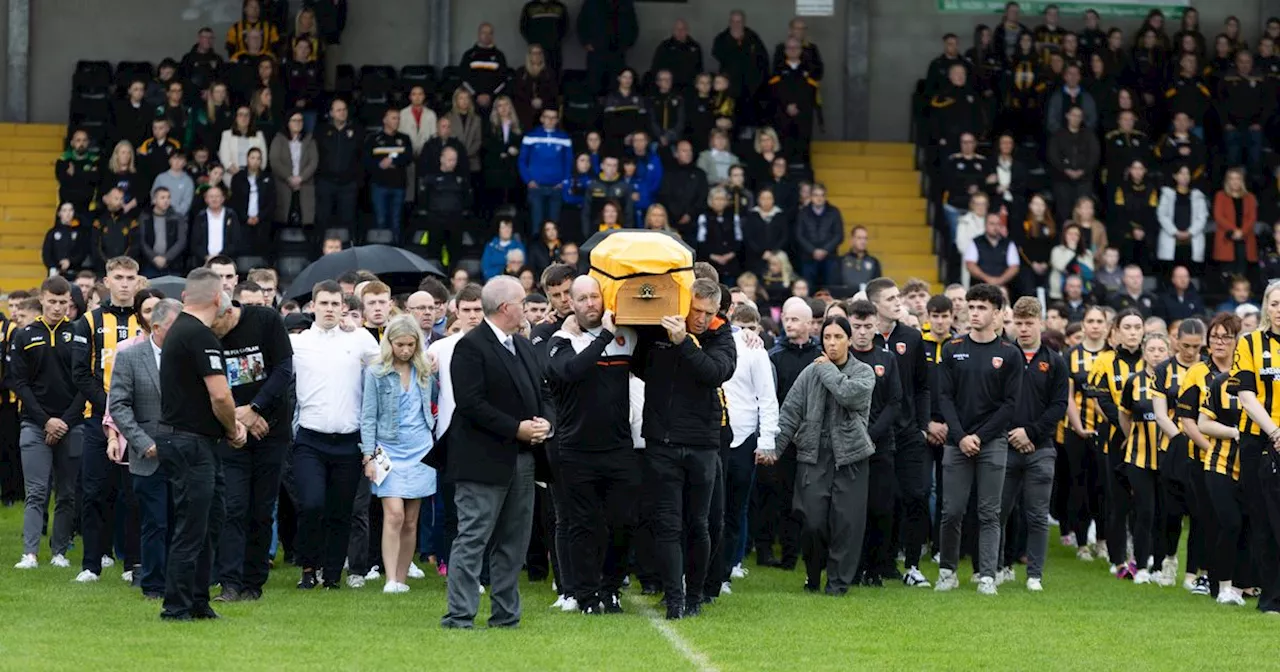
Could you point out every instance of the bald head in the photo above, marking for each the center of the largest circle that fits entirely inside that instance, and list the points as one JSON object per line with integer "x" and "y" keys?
{"x": 423, "y": 308}
{"x": 582, "y": 284}
{"x": 797, "y": 317}
{"x": 588, "y": 302}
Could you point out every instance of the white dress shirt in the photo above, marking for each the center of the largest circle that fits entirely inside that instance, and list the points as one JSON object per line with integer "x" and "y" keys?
{"x": 155, "y": 350}
{"x": 217, "y": 227}
{"x": 253, "y": 196}
{"x": 442, "y": 350}
{"x": 329, "y": 367}
{"x": 507, "y": 340}
{"x": 752, "y": 396}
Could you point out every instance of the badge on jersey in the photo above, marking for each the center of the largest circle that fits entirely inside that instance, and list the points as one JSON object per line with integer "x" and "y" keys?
{"x": 1044, "y": 367}
{"x": 879, "y": 370}
{"x": 901, "y": 348}
{"x": 997, "y": 362}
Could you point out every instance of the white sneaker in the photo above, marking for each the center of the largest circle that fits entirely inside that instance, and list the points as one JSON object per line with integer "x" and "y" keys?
{"x": 28, "y": 561}
{"x": 1084, "y": 554}
{"x": 86, "y": 576}
{"x": 108, "y": 561}
{"x": 974, "y": 578}
{"x": 738, "y": 572}
{"x": 1006, "y": 575}
{"x": 1053, "y": 522}
{"x": 1168, "y": 572}
{"x": 482, "y": 590}
{"x": 1034, "y": 586}
{"x": 558, "y": 603}
{"x": 1142, "y": 576}
{"x": 355, "y": 581}
{"x": 395, "y": 587}
{"x": 946, "y": 581}
{"x": 373, "y": 575}
{"x": 570, "y": 604}
{"x": 1100, "y": 550}
{"x": 937, "y": 558}
{"x": 60, "y": 560}
{"x": 725, "y": 589}
{"x": 986, "y": 586}
{"x": 127, "y": 577}
{"x": 914, "y": 579}
{"x": 415, "y": 572}
{"x": 1188, "y": 585}
{"x": 1230, "y": 596}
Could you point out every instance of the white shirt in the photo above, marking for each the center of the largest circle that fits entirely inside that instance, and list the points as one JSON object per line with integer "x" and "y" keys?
{"x": 295, "y": 154}
{"x": 507, "y": 340}
{"x": 637, "y": 412}
{"x": 253, "y": 196}
{"x": 329, "y": 367}
{"x": 1004, "y": 176}
{"x": 752, "y": 397}
{"x": 155, "y": 351}
{"x": 445, "y": 404}
{"x": 217, "y": 227}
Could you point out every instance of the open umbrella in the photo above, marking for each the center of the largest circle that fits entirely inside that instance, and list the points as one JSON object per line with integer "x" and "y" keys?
{"x": 170, "y": 285}
{"x": 399, "y": 268}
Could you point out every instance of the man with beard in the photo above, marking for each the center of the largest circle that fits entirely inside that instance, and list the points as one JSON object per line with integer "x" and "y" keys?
{"x": 589, "y": 374}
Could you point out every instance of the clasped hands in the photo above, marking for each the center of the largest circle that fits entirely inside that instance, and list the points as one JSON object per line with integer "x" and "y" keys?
{"x": 535, "y": 430}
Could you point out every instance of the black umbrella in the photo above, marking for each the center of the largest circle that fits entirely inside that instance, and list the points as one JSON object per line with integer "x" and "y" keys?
{"x": 170, "y": 285}
{"x": 398, "y": 268}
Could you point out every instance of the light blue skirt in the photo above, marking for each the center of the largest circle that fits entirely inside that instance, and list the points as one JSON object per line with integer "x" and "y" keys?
{"x": 407, "y": 480}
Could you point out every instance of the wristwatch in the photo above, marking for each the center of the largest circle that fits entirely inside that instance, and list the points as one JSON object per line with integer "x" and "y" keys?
{"x": 255, "y": 408}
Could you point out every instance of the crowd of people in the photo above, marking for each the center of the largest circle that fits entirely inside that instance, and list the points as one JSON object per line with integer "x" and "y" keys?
{"x": 1091, "y": 151}
{"x": 814, "y": 419}
{"x": 221, "y": 154}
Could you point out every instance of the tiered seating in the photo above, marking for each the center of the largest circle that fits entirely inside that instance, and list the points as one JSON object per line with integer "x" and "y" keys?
{"x": 876, "y": 185}
{"x": 28, "y": 200}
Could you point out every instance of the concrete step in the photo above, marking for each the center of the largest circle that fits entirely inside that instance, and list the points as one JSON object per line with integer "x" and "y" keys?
{"x": 30, "y": 268}
{"x": 26, "y": 284}
{"x": 836, "y": 188}
{"x": 35, "y": 162}
{"x": 42, "y": 184}
{"x": 847, "y": 203}
{"x": 19, "y": 213}
{"x": 31, "y": 143}
{"x": 30, "y": 241}
{"x": 886, "y": 217}
{"x": 830, "y": 175}
{"x": 883, "y": 245}
{"x": 34, "y": 130}
{"x": 26, "y": 227}
{"x": 822, "y": 161}
{"x": 40, "y": 199}
{"x": 898, "y": 149}
{"x": 19, "y": 255}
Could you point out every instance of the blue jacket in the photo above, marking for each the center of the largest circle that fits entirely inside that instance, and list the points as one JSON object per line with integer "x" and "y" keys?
{"x": 546, "y": 157}
{"x": 494, "y": 259}
{"x": 575, "y": 188}
{"x": 648, "y": 179}
{"x": 380, "y": 407}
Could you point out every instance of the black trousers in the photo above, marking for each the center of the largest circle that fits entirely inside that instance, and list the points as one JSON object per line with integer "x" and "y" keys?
{"x": 326, "y": 471}
{"x": 1260, "y": 483}
{"x": 1227, "y": 502}
{"x": 681, "y": 479}
{"x": 1145, "y": 487}
{"x": 877, "y": 548}
{"x": 287, "y": 509}
{"x": 776, "y": 519}
{"x": 336, "y": 204}
{"x": 600, "y": 489}
{"x": 11, "y": 486}
{"x": 913, "y": 468}
{"x": 1119, "y": 503}
{"x": 739, "y": 472}
{"x": 717, "y": 572}
{"x": 1178, "y": 500}
{"x": 190, "y": 461}
{"x": 102, "y": 484}
{"x": 253, "y": 484}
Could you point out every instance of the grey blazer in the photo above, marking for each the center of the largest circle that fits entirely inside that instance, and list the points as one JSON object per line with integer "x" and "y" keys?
{"x": 135, "y": 403}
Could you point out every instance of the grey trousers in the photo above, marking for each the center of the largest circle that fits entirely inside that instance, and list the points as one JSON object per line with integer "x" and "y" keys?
{"x": 498, "y": 518}
{"x": 834, "y": 504}
{"x": 960, "y": 475}
{"x": 45, "y": 468}
{"x": 1031, "y": 478}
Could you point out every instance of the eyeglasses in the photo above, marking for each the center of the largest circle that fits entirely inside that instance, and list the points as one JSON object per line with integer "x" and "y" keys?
{"x": 1222, "y": 338}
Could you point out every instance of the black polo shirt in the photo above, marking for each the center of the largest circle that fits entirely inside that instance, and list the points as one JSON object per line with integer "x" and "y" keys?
{"x": 190, "y": 354}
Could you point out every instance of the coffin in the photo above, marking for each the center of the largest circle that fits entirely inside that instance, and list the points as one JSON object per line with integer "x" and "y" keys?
{"x": 643, "y": 276}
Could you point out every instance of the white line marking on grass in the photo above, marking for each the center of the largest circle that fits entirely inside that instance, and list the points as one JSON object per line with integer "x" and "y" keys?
{"x": 700, "y": 661}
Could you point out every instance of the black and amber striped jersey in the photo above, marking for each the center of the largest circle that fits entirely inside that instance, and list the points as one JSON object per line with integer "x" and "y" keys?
{"x": 1145, "y": 441}
{"x": 1079, "y": 362}
{"x": 1166, "y": 384}
{"x": 97, "y": 336}
{"x": 1257, "y": 369}
{"x": 1220, "y": 403}
{"x": 1110, "y": 370}
{"x": 1194, "y": 385}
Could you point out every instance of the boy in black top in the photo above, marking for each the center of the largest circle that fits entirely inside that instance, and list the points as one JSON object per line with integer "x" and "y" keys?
{"x": 589, "y": 374}
{"x": 197, "y": 412}
{"x": 877, "y": 549}
{"x": 910, "y": 457}
{"x": 258, "y": 359}
{"x": 980, "y": 381}
{"x": 1031, "y": 454}
{"x": 38, "y": 366}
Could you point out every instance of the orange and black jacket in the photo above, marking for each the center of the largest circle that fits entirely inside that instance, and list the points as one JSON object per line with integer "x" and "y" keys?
{"x": 115, "y": 234}
{"x": 682, "y": 397}
{"x": 239, "y": 31}
{"x": 39, "y": 372}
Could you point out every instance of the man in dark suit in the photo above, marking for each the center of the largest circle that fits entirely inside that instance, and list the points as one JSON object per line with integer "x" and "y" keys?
{"x": 504, "y": 413}
{"x": 136, "y": 410}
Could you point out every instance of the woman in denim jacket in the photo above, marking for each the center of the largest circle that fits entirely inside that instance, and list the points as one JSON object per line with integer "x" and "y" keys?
{"x": 398, "y": 417}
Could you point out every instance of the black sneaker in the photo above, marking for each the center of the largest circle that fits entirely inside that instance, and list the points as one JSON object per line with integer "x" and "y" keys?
{"x": 766, "y": 561}
{"x": 612, "y": 604}
{"x": 675, "y": 611}
{"x": 205, "y": 614}
{"x": 229, "y": 594}
{"x": 787, "y": 564}
{"x": 650, "y": 589}
{"x": 308, "y": 580}
{"x": 872, "y": 581}
{"x": 251, "y": 595}
{"x": 692, "y": 608}
{"x": 1201, "y": 586}
{"x": 812, "y": 587}
{"x": 592, "y": 607}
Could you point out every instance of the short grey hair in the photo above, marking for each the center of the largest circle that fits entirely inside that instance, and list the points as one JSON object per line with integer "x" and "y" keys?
{"x": 225, "y": 305}
{"x": 165, "y": 312}
{"x": 499, "y": 290}
{"x": 706, "y": 289}
{"x": 202, "y": 288}
{"x": 717, "y": 191}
